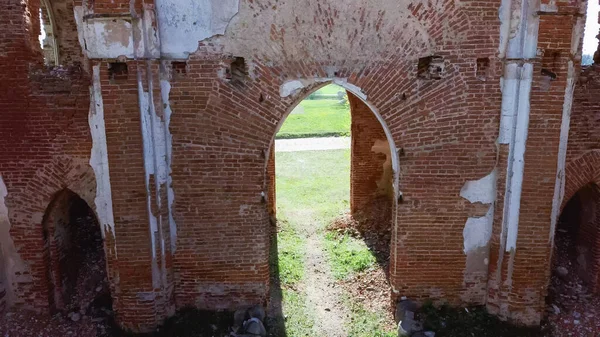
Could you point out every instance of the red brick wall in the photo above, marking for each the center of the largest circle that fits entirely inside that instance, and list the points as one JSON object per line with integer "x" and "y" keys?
{"x": 222, "y": 130}
{"x": 367, "y": 181}
{"x": 272, "y": 180}
{"x": 44, "y": 141}
{"x": 518, "y": 279}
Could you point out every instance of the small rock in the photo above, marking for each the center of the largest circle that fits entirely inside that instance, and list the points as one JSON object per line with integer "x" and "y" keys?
{"x": 254, "y": 326}
{"x": 257, "y": 311}
{"x": 75, "y": 316}
{"x": 556, "y": 309}
{"x": 98, "y": 289}
{"x": 562, "y": 271}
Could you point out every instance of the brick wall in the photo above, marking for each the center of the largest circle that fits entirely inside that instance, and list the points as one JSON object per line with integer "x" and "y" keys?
{"x": 222, "y": 126}
{"x": 369, "y": 154}
{"x": 44, "y": 142}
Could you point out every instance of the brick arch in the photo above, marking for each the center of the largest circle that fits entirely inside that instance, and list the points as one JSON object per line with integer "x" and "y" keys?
{"x": 27, "y": 206}
{"x": 312, "y": 85}
{"x": 580, "y": 172}
{"x": 68, "y": 221}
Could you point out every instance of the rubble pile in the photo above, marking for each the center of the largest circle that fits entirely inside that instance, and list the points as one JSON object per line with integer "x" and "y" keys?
{"x": 572, "y": 309}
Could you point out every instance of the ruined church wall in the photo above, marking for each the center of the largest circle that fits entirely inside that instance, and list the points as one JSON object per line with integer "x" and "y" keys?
{"x": 45, "y": 147}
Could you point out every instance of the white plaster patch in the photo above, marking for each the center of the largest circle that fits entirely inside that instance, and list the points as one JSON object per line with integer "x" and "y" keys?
{"x": 478, "y": 230}
{"x": 559, "y": 186}
{"x": 116, "y": 36}
{"x": 183, "y": 23}
{"x": 99, "y": 157}
{"x": 165, "y": 87}
{"x": 290, "y": 88}
{"x": 482, "y": 190}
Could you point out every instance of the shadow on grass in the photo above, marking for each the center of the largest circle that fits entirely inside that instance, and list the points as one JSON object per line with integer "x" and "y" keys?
{"x": 371, "y": 224}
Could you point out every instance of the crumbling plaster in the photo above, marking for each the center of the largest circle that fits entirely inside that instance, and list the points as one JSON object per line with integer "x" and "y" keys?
{"x": 183, "y": 23}
{"x": 285, "y": 30}
{"x": 478, "y": 230}
{"x": 11, "y": 262}
{"x": 99, "y": 158}
{"x": 112, "y": 37}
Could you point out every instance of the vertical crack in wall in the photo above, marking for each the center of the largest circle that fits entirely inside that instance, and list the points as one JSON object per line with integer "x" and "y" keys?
{"x": 99, "y": 160}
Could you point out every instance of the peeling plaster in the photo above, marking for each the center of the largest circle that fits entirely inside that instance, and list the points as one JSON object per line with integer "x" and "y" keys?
{"x": 288, "y": 31}
{"x": 113, "y": 37}
{"x": 99, "y": 158}
{"x": 521, "y": 49}
{"x": 11, "y": 264}
{"x": 183, "y": 23}
{"x": 384, "y": 184}
{"x": 165, "y": 87}
{"x": 292, "y": 87}
{"x": 478, "y": 230}
{"x": 148, "y": 155}
{"x": 559, "y": 186}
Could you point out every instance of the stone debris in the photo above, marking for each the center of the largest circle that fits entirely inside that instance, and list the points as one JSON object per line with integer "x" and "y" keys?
{"x": 249, "y": 322}
{"x": 572, "y": 310}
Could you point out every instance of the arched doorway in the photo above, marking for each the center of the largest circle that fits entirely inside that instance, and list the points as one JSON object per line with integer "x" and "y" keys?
{"x": 333, "y": 193}
{"x": 75, "y": 259}
{"x": 573, "y": 294}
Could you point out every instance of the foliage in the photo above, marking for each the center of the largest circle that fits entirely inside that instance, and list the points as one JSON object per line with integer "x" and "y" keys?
{"x": 290, "y": 254}
{"x": 365, "y": 323}
{"x": 347, "y": 255}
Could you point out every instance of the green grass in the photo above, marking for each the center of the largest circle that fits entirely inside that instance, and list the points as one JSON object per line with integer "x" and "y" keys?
{"x": 366, "y": 323}
{"x": 298, "y": 316}
{"x": 291, "y": 254}
{"x": 331, "y": 89}
{"x": 312, "y": 186}
{"x": 347, "y": 255}
{"x": 321, "y": 118}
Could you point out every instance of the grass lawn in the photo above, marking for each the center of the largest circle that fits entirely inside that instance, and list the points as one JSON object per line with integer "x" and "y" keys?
{"x": 331, "y": 89}
{"x": 347, "y": 255}
{"x": 313, "y": 184}
{"x": 320, "y": 118}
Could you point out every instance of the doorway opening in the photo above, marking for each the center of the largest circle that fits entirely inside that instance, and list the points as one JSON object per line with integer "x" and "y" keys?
{"x": 573, "y": 294}
{"x": 331, "y": 190}
{"x": 74, "y": 255}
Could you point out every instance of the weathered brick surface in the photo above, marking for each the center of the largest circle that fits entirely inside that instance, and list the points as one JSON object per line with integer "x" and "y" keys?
{"x": 222, "y": 126}
{"x": 368, "y": 157}
{"x": 45, "y": 142}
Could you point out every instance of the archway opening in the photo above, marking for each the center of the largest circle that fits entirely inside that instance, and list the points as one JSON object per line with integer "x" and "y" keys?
{"x": 573, "y": 300}
{"x": 331, "y": 189}
{"x": 75, "y": 259}
{"x": 47, "y": 37}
